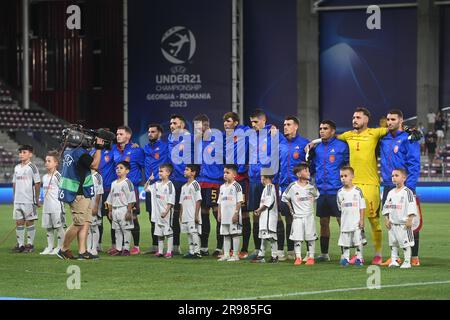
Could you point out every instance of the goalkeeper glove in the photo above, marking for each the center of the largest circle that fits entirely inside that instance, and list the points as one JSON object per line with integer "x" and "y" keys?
{"x": 413, "y": 133}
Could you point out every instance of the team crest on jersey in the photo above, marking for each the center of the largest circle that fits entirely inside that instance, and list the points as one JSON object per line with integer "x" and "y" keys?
{"x": 355, "y": 197}
{"x": 127, "y": 159}
{"x": 296, "y": 155}
{"x": 264, "y": 147}
{"x": 156, "y": 156}
{"x": 332, "y": 158}
{"x": 209, "y": 149}
{"x": 181, "y": 147}
{"x": 395, "y": 149}
{"x": 402, "y": 198}
{"x": 68, "y": 160}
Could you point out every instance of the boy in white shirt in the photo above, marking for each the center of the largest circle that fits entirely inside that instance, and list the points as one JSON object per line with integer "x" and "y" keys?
{"x": 229, "y": 212}
{"x": 190, "y": 218}
{"x": 120, "y": 203}
{"x": 26, "y": 190}
{"x": 351, "y": 204}
{"x": 300, "y": 197}
{"x": 399, "y": 211}
{"x": 268, "y": 220}
{"x": 94, "y": 232}
{"x": 53, "y": 214}
{"x": 163, "y": 201}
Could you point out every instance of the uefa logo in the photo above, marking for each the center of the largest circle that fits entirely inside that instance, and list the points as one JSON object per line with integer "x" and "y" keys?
{"x": 178, "y": 45}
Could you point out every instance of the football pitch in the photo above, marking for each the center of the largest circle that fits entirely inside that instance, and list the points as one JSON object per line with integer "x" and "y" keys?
{"x": 147, "y": 277}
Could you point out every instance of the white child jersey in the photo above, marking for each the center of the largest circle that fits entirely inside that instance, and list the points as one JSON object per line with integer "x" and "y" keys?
{"x": 229, "y": 197}
{"x": 122, "y": 193}
{"x": 25, "y": 177}
{"x": 349, "y": 203}
{"x": 50, "y": 184}
{"x": 301, "y": 198}
{"x": 269, "y": 218}
{"x": 190, "y": 194}
{"x": 98, "y": 190}
{"x": 162, "y": 194}
{"x": 400, "y": 204}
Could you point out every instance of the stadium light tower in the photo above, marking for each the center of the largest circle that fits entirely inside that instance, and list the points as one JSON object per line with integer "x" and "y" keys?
{"x": 237, "y": 60}
{"x": 25, "y": 58}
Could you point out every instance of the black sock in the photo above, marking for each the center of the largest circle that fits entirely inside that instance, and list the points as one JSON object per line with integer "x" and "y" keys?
{"x": 256, "y": 238}
{"x": 154, "y": 238}
{"x": 246, "y": 231}
{"x": 113, "y": 233}
{"x": 324, "y": 243}
{"x": 290, "y": 243}
{"x": 176, "y": 228}
{"x": 100, "y": 231}
{"x": 415, "y": 249}
{"x": 280, "y": 235}
{"x": 206, "y": 229}
{"x": 136, "y": 232}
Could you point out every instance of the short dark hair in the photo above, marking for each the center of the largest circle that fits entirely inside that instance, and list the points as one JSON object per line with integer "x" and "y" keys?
{"x": 365, "y": 111}
{"x": 268, "y": 176}
{"x": 348, "y": 168}
{"x": 231, "y": 167}
{"x": 301, "y": 166}
{"x": 157, "y": 126}
{"x": 26, "y": 147}
{"x": 194, "y": 167}
{"x": 233, "y": 115}
{"x": 295, "y": 119}
{"x": 126, "y": 164}
{"x": 397, "y": 112}
{"x": 257, "y": 113}
{"x": 402, "y": 170}
{"x": 126, "y": 128}
{"x": 53, "y": 153}
{"x": 178, "y": 116}
{"x": 331, "y": 123}
{"x": 201, "y": 117}
{"x": 167, "y": 166}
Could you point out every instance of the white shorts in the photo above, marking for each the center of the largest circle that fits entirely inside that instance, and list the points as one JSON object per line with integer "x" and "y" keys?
{"x": 53, "y": 220}
{"x": 25, "y": 211}
{"x": 440, "y": 133}
{"x": 191, "y": 227}
{"x": 230, "y": 229}
{"x": 265, "y": 234}
{"x": 118, "y": 217}
{"x": 350, "y": 239}
{"x": 400, "y": 236}
{"x": 303, "y": 229}
{"x": 96, "y": 221}
{"x": 162, "y": 230}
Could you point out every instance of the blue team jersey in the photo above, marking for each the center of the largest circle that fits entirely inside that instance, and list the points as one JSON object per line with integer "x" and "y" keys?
{"x": 135, "y": 156}
{"x": 254, "y": 170}
{"x": 178, "y": 146}
{"x": 399, "y": 152}
{"x": 292, "y": 152}
{"x": 156, "y": 154}
{"x": 211, "y": 171}
{"x": 330, "y": 157}
{"x": 106, "y": 168}
{"x": 240, "y": 146}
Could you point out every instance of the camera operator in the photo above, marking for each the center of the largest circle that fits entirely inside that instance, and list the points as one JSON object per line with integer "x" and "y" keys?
{"x": 76, "y": 188}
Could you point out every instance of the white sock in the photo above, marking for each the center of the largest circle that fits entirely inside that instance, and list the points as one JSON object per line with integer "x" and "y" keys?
{"x": 274, "y": 248}
{"x": 60, "y": 234}
{"x": 359, "y": 252}
{"x": 169, "y": 244}
{"x": 204, "y": 249}
{"x": 31, "y": 232}
{"x": 262, "y": 250}
{"x": 394, "y": 253}
{"x": 311, "y": 248}
{"x": 298, "y": 249}
{"x": 50, "y": 237}
{"x": 20, "y": 235}
{"x": 191, "y": 243}
{"x": 236, "y": 243}
{"x": 226, "y": 246}
{"x": 127, "y": 239}
{"x": 407, "y": 252}
{"x": 196, "y": 241}
{"x": 119, "y": 239}
{"x": 346, "y": 253}
{"x": 95, "y": 238}
{"x": 160, "y": 245}
{"x": 89, "y": 240}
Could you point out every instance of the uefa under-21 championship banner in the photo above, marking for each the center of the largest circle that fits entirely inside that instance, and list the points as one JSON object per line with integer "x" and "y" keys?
{"x": 179, "y": 61}
{"x": 371, "y": 68}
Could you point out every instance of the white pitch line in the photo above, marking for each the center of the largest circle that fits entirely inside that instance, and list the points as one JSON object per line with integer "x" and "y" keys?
{"x": 344, "y": 290}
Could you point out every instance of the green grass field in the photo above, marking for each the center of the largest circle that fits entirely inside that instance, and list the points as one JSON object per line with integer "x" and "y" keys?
{"x": 148, "y": 277}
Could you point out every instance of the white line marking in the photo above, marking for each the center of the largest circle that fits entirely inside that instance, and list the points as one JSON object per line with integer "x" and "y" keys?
{"x": 344, "y": 290}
